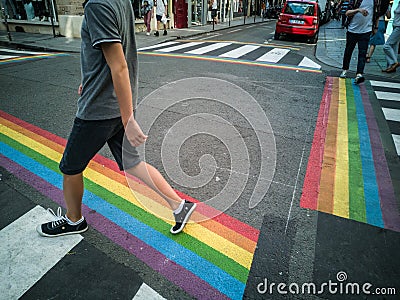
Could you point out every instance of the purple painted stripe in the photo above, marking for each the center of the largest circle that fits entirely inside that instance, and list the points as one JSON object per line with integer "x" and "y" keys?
{"x": 178, "y": 275}
{"x": 390, "y": 211}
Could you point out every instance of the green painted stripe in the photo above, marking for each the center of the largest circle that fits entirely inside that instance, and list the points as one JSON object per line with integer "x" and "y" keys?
{"x": 357, "y": 209}
{"x": 203, "y": 250}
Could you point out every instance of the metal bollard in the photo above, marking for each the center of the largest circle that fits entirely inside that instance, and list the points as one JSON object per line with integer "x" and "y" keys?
{"x": 3, "y": 10}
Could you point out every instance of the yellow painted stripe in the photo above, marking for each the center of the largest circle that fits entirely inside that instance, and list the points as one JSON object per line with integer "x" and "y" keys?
{"x": 341, "y": 194}
{"x": 199, "y": 232}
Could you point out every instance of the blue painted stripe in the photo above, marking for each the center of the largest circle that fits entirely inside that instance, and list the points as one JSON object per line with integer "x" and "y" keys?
{"x": 202, "y": 268}
{"x": 371, "y": 192}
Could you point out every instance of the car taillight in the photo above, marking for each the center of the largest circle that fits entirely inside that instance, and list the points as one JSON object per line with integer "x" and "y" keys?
{"x": 315, "y": 21}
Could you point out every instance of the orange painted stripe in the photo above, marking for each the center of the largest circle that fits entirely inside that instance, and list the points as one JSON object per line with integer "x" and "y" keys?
{"x": 327, "y": 181}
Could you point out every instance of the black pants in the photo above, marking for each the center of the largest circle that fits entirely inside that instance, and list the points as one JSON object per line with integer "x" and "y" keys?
{"x": 352, "y": 39}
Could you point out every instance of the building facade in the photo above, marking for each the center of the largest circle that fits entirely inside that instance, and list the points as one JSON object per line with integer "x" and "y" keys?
{"x": 64, "y": 17}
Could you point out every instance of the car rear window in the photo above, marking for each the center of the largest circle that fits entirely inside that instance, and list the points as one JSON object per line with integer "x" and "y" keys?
{"x": 299, "y": 8}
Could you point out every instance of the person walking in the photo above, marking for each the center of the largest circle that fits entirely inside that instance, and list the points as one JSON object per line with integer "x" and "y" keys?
{"x": 214, "y": 11}
{"x": 342, "y": 8}
{"x": 147, "y": 11}
{"x": 161, "y": 16}
{"x": 391, "y": 47}
{"x": 362, "y": 20}
{"x": 108, "y": 96}
{"x": 379, "y": 37}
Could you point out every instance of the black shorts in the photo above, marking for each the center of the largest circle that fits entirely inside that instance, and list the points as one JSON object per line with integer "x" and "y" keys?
{"x": 88, "y": 137}
{"x": 158, "y": 18}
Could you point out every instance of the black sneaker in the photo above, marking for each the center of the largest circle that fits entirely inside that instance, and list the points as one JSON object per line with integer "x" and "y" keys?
{"x": 165, "y": 32}
{"x": 60, "y": 226}
{"x": 359, "y": 79}
{"x": 183, "y": 217}
{"x": 156, "y": 33}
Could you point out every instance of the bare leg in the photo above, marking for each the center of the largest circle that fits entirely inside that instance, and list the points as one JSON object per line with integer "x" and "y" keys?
{"x": 73, "y": 193}
{"x": 152, "y": 177}
{"x": 370, "y": 52}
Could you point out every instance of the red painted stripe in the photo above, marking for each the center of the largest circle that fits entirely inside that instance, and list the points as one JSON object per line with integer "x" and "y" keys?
{"x": 226, "y": 220}
{"x": 309, "y": 197}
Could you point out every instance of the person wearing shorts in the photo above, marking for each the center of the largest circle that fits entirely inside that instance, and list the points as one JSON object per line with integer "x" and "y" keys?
{"x": 161, "y": 11}
{"x": 108, "y": 95}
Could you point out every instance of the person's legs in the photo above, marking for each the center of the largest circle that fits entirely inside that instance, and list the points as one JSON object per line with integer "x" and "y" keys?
{"x": 351, "y": 42}
{"x": 85, "y": 140}
{"x": 158, "y": 17}
{"x": 391, "y": 46}
{"x": 128, "y": 159}
{"x": 73, "y": 193}
{"x": 363, "y": 40}
{"x": 147, "y": 20}
{"x": 370, "y": 52}
{"x": 153, "y": 178}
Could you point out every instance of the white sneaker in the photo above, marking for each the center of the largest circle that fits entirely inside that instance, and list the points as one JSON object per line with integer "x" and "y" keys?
{"x": 359, "y": 79}
{"x": 343, "y": 74}
{"x": 147, "y": 33}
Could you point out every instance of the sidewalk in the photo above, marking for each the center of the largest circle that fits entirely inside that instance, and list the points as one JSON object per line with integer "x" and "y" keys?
{"x": 329, "y": 50}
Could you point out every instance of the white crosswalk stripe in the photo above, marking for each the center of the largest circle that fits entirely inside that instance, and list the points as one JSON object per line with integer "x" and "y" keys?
{"x": 157, "y": 46}
{"x": 233, "y": 50}
{"x": 243, "y": 50}
{"x": 208, "y": 48}
{"x": 25, "y": 256}
{"x": 274, "y": 55}
{"x": 389, "y": 95}
{"x": 179, "y": 47}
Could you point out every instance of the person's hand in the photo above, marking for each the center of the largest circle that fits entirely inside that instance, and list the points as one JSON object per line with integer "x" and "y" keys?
{"x": 134, "y": 133}
{"x": 80, "y": 89}
{"x": 363, "y": 11}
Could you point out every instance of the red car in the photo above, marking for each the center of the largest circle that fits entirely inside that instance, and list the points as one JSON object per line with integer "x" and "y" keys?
{"x": 299, "y": 17}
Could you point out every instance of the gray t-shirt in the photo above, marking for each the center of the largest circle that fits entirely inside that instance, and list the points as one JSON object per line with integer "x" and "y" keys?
{"x": 360, "y": 23}
{"x": 105, "y": 22}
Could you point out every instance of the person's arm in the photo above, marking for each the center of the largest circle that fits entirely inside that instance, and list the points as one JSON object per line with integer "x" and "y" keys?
{"x": 352, "y": 12}
{"x": 115, "y": 58}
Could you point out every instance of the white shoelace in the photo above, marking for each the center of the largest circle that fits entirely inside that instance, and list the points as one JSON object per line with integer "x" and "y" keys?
{"x": 59, "y": 217}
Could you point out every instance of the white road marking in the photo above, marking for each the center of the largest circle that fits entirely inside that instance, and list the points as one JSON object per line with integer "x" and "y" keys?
{"x": 147, "y": 293}
{"x": 391, "y": 114}
{"x": 208, "y": 48}
{"x": 25, "y": 256}
{"x": 306, "y": 62}
{"x": 178, "y": 47}
{"x": 387, "y": 96}
{"x": 236, "y": 53}
{"x": 157, "y": 46}
{"x": 274, "y": 55}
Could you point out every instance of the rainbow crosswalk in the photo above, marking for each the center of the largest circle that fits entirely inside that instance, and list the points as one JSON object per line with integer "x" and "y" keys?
{"x": 347, "y": 173}
{"x": 8, "y": 56}
{"x": 209, "y": 259}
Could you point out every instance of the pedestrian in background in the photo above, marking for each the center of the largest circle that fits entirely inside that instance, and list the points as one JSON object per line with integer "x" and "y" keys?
{"x": 214, "y": 11}
{"x": 379, "y": 37}
{"x": 161, "y": 16}
{"x": 342, "y": 8}
{"x": 108, "y": 96}
{"x": 391, "y": 47}
{"x": 362, "y": 20}
{"x": 147, "y": 12}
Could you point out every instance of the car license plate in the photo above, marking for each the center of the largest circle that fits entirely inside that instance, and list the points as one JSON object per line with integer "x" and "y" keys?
{"x": 294, "y": 21}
